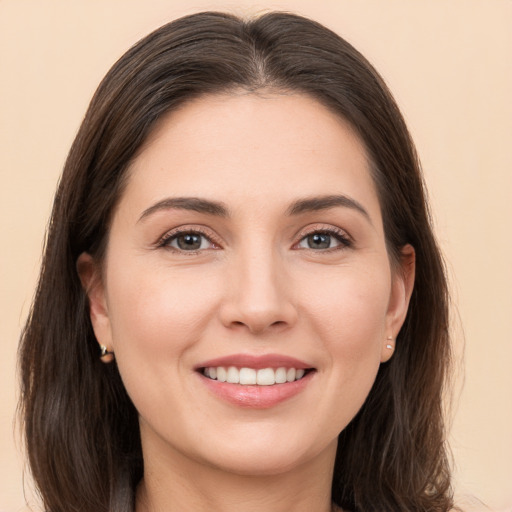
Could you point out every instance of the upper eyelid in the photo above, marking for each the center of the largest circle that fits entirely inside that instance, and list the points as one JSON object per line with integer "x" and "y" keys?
{"x": 202, "y": 230}
{"x": 323, "y": 228}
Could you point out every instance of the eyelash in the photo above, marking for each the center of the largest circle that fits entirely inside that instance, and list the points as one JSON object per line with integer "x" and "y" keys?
{"x": 170, "y": 236}
{"x": 340, "y": 235}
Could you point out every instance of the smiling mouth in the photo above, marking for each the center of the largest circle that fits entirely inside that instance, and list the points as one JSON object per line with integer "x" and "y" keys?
{"x": 254, "y": 377}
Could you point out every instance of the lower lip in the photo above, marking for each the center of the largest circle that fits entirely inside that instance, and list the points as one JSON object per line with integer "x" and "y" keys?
{"x": 257, "y": 397}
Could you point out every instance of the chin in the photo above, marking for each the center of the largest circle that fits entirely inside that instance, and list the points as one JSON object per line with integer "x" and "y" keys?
{"x": 267, "y": 457}
{"x": 261, "y": 464}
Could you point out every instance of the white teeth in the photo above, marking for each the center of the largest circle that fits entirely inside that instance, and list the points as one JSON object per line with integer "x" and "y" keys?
{"x": 247, "y": 376}
{"x": 233, "y": 375}
{"x": 281, "y": 375}
{"x": 251, "y": 377}
{"x": 221, "y": 374}
{"x": 290, "y": 375}
{"x": 266, "y": 377}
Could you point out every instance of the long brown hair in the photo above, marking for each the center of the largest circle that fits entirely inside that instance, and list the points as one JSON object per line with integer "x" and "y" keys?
{"x": 81, "y": 428}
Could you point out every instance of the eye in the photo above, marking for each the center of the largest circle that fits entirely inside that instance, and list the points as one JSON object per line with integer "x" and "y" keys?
{"x": 187, "y": 241}
{"x": 325, "y": 239}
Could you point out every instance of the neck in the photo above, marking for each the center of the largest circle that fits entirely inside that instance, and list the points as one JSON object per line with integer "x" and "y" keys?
{"x": 176, "y": 483}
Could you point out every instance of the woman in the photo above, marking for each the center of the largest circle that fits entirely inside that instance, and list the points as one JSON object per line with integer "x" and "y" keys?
{"x": 241, "y": 235}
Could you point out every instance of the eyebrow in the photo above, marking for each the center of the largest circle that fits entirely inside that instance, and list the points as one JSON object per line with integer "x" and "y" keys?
{"x": 314, "y": 204}
{"x": 219, "y": 209}
{"x": 187, "y": 203}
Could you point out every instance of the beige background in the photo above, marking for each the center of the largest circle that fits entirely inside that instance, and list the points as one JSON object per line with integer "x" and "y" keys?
{"x": 449, "y": 64}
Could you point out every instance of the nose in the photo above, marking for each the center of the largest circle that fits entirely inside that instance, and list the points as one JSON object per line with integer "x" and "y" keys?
{"x": 259, "y": 295}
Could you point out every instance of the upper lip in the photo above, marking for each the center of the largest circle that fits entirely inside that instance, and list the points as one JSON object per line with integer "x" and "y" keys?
{"x": 255, "y": 361}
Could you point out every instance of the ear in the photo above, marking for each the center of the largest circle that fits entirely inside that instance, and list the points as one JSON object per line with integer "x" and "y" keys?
{"x": 402, "y": 285}
{"x": 89, "y": 272}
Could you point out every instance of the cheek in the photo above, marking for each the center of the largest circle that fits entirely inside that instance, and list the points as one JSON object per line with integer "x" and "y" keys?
{"x": 343, "y": 311}
{"x": 158, "y": 313}
{"x": 157, "y": 319}
{"x": 348, "y": 312}
{"x": 350, "y": 301}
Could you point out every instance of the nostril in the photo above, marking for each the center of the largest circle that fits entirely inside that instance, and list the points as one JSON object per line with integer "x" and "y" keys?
{"x": 257, "y": 316}
{"x": 255, "y": 326}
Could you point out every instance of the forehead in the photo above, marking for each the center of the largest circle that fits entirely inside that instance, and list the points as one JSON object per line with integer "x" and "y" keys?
{"x": 251, "y": 148}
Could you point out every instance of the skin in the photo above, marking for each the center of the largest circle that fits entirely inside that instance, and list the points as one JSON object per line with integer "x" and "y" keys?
{"x": 254, "y": 286}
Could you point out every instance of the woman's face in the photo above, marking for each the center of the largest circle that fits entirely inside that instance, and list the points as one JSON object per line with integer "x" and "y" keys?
{"x": 248, "y": 244}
